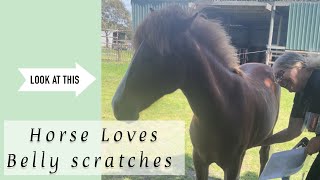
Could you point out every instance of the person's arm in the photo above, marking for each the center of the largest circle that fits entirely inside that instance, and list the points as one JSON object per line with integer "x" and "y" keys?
{"x": 295, "y": 123}
{"x": 313, "y": 145}
{"x": 294, "y": 130}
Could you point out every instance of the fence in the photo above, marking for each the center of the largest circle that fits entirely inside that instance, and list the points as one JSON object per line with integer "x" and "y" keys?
{"x": 116, "y": 45}
{"x": 120, "y": 53}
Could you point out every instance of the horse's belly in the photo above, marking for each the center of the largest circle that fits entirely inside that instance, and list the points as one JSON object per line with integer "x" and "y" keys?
{"x": 214, "y": 145}
{"x": 264, "y": 123}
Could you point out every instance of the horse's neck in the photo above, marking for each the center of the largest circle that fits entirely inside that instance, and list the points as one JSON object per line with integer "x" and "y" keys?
{"x": 209, "y": 85}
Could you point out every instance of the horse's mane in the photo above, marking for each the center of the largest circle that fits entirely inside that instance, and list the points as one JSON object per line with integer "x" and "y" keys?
{"x": 162, "y": 30}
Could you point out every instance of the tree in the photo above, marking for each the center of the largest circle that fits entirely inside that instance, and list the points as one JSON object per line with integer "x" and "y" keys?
{"x": 114, "y": 15}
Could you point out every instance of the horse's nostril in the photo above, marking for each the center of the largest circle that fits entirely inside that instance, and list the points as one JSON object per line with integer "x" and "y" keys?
{"x": 116, "y": 110}
{"x": 115, "y": 103}
{"x": 115, "y": 107}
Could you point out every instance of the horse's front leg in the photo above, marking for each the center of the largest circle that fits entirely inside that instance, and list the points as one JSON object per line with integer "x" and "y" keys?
{"x": 264, "y": 156}
{"x": 232, "y": 172}
{"x": 202, "y": 168}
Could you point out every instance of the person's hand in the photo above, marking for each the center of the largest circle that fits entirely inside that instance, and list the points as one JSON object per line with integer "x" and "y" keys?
{"x": 313, "y": 145}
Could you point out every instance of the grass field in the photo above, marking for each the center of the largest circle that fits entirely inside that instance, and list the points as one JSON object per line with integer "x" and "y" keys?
{"x": 175, "y": 106}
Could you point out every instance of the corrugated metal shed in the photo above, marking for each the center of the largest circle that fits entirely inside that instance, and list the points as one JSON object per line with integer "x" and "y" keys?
{"x": 304, "y": 27}
{"x": 140, "y": 8}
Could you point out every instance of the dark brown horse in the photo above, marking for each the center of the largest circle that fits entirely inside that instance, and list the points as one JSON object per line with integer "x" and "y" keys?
{"x": 235, "y": 107}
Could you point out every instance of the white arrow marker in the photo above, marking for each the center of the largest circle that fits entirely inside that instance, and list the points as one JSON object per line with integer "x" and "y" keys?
{"x": 56, "y": 79}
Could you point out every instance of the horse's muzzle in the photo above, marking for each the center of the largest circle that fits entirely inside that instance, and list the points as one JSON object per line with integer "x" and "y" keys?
{"x": 124, "y": 112}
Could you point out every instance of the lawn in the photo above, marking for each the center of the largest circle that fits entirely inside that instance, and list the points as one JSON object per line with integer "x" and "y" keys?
{"x": 175, "y": 106}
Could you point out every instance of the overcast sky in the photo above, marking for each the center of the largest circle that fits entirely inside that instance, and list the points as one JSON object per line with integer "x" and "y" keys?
{"x": 127, "y": 4}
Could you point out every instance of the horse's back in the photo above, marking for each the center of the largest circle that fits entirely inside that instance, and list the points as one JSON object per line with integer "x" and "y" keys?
{"x": 260, "y": 73}
{"x": 257, "y": 70}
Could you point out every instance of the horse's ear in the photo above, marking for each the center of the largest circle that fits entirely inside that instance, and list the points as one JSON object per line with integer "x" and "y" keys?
{"x": 151, "y": 10}
{"x": 203, "y": 16}
{"x": 193, "y": 18}
{"x": 187, "y": 23}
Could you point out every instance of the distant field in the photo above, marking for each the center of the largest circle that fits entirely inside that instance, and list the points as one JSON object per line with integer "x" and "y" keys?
{"x": 175, "y": 106}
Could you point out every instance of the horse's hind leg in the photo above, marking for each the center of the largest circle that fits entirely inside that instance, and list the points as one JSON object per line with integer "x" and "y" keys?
{"x": 202, "y": 168}
{"x": 232, "y": 172}
{"x": 264, "y": 156}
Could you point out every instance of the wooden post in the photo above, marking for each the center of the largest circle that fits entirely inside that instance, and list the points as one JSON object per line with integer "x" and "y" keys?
{"x": 107, "y": 39}
{"x": 118, "y": 47}
{"x": 279, "y": 31}
{"x": 269, "y": 55}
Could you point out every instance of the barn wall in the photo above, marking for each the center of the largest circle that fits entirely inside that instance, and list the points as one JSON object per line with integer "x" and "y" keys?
{"x": 239, "y": 36}
{"x": 141, "y": 8}
{"x": 259, "y": 37}
{"x": 304, "y": 27}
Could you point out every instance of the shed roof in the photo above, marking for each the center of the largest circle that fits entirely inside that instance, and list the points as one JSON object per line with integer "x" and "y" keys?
{"x": 153, "y": 1}
{"x": 240, "y": 12}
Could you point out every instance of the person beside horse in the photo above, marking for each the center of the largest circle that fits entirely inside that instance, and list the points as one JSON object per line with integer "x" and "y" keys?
{"x": 302, "y": 76}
